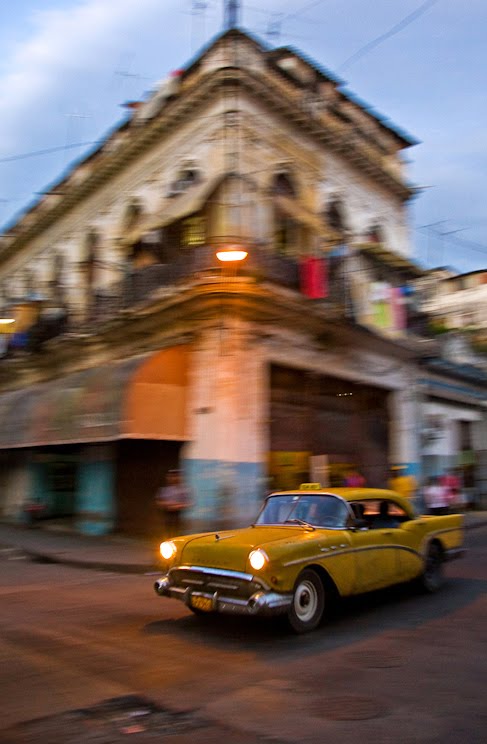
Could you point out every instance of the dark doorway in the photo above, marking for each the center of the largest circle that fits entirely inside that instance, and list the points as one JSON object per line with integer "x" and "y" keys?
{"x": 141, "y": 469}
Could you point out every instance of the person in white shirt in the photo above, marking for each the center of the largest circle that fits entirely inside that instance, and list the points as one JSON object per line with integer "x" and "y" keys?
{"x": 436, "y": 497}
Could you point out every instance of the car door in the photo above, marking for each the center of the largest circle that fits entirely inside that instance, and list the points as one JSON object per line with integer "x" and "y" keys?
{"x": 409, "y": 537}
{"x": 374, "y": 549}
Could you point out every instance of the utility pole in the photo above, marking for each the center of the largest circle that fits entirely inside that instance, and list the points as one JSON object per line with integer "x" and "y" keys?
{"x": 231, "y": 12}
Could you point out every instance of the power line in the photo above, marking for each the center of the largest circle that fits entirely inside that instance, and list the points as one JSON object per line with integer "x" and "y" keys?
{"x": 303, "y": 9}
{"x": 35, "y": 153}
{"x": 449, "y": 237}
{"x": 387, "y": 34}
{"x": 277, "y": 18}
{"x": 268, "y": 13}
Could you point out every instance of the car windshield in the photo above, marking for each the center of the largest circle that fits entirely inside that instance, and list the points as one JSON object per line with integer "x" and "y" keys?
{"x": 323, "y": 510}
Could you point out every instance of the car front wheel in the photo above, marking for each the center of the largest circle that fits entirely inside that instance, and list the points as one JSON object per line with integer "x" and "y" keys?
{"x": 308, "y": 604}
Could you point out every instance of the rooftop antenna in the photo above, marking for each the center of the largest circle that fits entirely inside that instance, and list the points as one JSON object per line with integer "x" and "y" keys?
{"x": 124, "y": 75}
{"x": 274, "y": 28}
{"x": 198, "y": 11}
{"x": 231, "y": 13}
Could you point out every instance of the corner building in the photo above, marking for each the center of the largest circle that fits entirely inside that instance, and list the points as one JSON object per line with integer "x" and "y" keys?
{"x": 135, "y": 349}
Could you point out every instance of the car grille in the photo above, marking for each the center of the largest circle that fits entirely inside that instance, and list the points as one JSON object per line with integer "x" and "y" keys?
{"x": 211, "y": 582}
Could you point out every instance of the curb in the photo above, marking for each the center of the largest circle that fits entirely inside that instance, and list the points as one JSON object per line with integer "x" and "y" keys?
{"x": 122, "y": 568}
{"x": 475, "y": 526}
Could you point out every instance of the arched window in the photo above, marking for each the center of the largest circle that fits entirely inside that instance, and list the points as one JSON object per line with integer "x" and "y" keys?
{"x": 57, "y": 268}
{"x": 375, "y": 233}
{"x": 56, "y": 283}
{"x": 187, "y": 177}
{"x": 90, "y": 259}
{"x": 231, "y": 210}
{"x": 29, "y": 283}
{"x": 132, "y": 216}
{"x": 334, "y": 215}
{"x": 284, "y": 186}
{"x": 285, "y": 227}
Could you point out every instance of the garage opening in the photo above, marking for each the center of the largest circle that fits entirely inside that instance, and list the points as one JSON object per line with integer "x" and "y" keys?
{"x": 324, "y": 427}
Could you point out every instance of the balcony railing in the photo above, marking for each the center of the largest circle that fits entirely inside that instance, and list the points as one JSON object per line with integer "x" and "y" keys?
{"x": 140, "y": 286}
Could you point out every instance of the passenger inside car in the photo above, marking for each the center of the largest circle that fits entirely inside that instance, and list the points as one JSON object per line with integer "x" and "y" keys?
{"x": 383, "y": 519}
{"x": 358, "y": 510}
{"x": 379, "y": 514}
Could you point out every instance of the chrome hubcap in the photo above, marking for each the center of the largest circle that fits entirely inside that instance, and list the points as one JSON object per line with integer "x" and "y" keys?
{"x": 305, "y": 601}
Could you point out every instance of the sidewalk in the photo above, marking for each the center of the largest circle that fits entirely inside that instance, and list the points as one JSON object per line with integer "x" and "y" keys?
{"x": 111, "y": 553}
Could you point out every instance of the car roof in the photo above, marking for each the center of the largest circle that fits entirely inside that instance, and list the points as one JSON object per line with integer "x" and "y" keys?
{"x": 349, "y": 494}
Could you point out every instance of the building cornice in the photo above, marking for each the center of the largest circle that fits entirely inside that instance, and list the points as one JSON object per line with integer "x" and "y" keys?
{"x": 106, "y": 164}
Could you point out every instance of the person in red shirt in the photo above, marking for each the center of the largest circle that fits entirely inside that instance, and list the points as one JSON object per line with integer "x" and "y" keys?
{"x": 354, "y": 479}
{"x": 451, "y": 483}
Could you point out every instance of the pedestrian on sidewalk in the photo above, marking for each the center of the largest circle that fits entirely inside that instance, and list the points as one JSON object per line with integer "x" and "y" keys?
{"x": 436, "y": 497}
{"x": 452, "y": 485}
{"x": 172, "y": 501}
{"x": 402, "y": 483}
{"x": 354, "y": 479}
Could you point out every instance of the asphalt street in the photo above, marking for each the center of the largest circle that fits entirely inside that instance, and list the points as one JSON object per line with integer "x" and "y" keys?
{"x": 392, "y": 666}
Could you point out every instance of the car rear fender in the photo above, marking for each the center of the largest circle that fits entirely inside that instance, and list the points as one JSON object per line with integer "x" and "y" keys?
{"x": 447, "y": 531}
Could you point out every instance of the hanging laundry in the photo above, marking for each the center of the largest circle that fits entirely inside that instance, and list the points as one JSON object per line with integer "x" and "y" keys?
{"x": 398, "y": 306}
{"x": 360, "y": 295}
{"x": 314, "y": 278}
{"x": 382, "y": 314}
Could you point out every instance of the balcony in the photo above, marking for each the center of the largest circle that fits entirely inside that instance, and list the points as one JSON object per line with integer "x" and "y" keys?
{"x": 140, "y": 287}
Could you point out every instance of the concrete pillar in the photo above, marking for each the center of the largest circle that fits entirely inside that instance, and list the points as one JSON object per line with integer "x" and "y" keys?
{"x": 95, "y": 498}
{"x": 405, "y": 431}
{"x": 480, "y": 446}
{"x": 225, "y": 464}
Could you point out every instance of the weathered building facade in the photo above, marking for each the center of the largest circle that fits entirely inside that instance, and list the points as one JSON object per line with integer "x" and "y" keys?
{"x": 134, "y": 348}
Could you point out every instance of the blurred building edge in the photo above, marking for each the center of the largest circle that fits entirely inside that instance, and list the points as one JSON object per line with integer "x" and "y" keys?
{"x": 128, "y": 348}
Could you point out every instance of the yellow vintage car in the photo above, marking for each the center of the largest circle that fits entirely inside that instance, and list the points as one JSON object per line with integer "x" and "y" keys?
{"x": 306, "y": 548}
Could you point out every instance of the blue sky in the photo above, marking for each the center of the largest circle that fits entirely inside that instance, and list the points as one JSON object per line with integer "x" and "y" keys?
{"x": 67, "y": 65}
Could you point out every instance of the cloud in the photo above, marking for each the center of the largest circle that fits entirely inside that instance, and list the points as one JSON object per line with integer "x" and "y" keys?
{"x": 65, "y": 43}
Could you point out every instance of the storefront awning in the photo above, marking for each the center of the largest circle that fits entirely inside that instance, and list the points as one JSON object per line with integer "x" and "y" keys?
{"x": 140, "y": 398}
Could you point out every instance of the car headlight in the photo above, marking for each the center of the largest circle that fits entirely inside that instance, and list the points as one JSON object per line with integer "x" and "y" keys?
{"x": 168, "y": 550}
{"x": 258, "y": 559}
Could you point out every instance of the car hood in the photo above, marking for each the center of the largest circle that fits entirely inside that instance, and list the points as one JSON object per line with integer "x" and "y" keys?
{"x": 230, "y": 549}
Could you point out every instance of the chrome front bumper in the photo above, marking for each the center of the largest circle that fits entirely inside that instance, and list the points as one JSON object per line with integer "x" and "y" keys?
{"x": 263, "y": 602}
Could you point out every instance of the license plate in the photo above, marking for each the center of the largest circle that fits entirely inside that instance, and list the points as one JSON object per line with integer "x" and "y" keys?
{"x": 202, "y": 603}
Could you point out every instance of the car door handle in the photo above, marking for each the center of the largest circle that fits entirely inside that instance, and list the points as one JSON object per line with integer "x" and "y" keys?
{"x": 388, "y": 533}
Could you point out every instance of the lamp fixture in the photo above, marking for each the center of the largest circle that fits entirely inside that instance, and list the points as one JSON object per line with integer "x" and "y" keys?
{"x": 232, "y": 253}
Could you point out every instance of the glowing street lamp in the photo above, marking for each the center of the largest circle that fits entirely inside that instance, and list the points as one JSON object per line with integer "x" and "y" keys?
{"x": 232, "y": 253}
